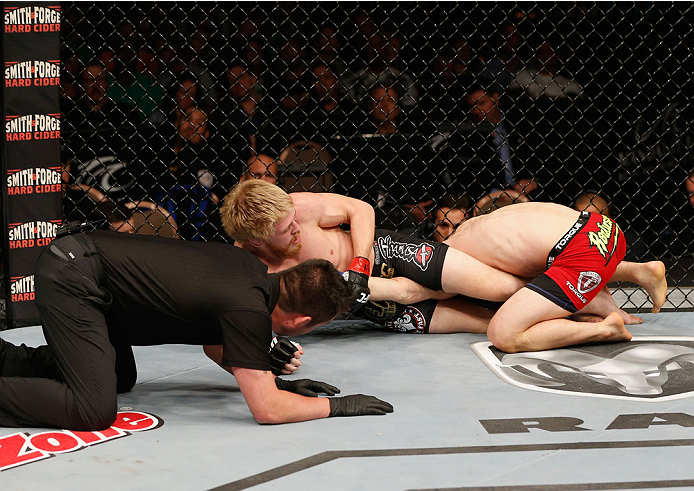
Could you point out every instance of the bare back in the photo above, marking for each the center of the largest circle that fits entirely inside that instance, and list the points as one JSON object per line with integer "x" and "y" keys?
{"x": 517, "y": 238}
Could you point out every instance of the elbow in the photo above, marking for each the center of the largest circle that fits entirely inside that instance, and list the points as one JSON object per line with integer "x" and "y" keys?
{"x": 369, "y": 210}
{"x": 265, "y": 416}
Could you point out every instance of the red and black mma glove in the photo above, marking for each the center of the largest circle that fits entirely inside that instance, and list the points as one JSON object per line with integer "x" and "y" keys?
{"x": 281, "y": 352}
{"x": 358, "y": 278}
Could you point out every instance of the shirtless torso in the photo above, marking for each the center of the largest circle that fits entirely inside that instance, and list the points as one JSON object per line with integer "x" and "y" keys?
{"x": 317, "y": 218}
{"x": 516, "y": 239}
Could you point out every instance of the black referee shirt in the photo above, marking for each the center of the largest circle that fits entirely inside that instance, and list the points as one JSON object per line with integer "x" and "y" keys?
{"x": 176, "y": 291}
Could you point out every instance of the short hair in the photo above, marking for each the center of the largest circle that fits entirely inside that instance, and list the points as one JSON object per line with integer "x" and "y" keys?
{"x": 454, "y": 201}
{"x": 487, "y": 85}
{"x": 315, "y": 288}
{"x": 591, "y": 196}
{"x": 252, "y": 209}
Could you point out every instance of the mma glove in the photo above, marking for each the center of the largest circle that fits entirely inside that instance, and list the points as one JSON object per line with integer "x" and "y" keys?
{"x": 281, "y": 352}
{"x": 358, "y": 405}
{"x": 306, "y": 387}
{"x": 358, "y": 278}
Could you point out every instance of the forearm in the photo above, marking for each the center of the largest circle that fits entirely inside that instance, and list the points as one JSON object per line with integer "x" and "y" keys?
{"x": 287, "y": 407}
{"x": 402, "y": 290}
{"x": 269, "y": 405}
{"x": 362, "y": 223}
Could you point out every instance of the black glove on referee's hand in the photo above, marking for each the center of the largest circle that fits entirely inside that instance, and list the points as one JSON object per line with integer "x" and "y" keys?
{"x": 306, "y": 387}
{"x": 281, "y": 352}
{"x": 358, "y": 405}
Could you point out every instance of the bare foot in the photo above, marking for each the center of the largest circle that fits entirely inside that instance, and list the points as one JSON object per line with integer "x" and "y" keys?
{"x": 602, "y": 305}
{"x": 652, "y": 278}
{"x": 614, "y": 327}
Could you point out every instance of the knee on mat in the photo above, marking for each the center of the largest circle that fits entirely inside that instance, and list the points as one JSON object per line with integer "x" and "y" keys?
{"x": 501, "y": 338}
{"x": 95, "y": 419}
{"x": 125, "y": 383}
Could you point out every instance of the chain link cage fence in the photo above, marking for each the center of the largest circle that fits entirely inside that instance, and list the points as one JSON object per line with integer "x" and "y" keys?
{"x": 414, "y": 108}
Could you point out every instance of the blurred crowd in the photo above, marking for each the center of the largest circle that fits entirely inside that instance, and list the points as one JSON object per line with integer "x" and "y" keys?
{"x": 429, "y": 130}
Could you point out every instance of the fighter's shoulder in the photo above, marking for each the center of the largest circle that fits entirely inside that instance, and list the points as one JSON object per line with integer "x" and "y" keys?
{"x": 308, "y": 204}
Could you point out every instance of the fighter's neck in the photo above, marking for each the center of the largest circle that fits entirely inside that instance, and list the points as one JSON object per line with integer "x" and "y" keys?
{"x": 274, "y": 264}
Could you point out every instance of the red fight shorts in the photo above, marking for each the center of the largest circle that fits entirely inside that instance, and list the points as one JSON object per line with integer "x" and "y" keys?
{"x": 582, "y": 262}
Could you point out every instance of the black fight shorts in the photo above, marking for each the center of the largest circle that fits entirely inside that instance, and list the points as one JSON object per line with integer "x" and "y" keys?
{"x": 420, "y": 260}
{"x": 411, "y": 319}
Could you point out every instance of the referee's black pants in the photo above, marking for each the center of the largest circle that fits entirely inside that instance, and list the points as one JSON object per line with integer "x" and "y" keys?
{"x": 73, "y": 306}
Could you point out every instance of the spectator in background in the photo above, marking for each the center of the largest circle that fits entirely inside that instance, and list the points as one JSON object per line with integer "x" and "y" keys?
{"x": 69, "y": 77}
{"x": 138, "y": 85}
{"x": 194, "y": 154}
{"x": 326, "y": 45}
{"x": 171, "y": 64}
{"x": 544, "y": 78}
{"x": 289, "y": 87}
{"x": 509, "y": 57}
{"x": 452, "y": 66}
{"x": 95, "y": 107}
{"x": 689, "y": 186}
{"x": 261, "y": 167}
{"x": 190, "y": 171}
{"x": 395, "y": 170}
{"x": 498, "y": 172}
{"x": 241, "y": 115}
{"x": 184, "y": 93}
{"x": 449, "y": 213}
{"x": 592, "y": 202}
{"x": 384, "y": 67}
{"x": 197, "y": 56}
{"x": 117, "y": 216}
{"x": 329, "y": 113}
{"x": 363, "y": 28}
{"x": 252, "y": 55}
{"x": 96, "y": 133}
{"x": 498, "y": 199}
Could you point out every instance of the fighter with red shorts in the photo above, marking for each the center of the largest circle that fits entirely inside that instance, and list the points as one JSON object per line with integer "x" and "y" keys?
{"x": 581, "y": 262}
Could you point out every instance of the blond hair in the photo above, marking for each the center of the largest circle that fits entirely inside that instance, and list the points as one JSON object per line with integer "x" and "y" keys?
{"x": 252, "y": 209}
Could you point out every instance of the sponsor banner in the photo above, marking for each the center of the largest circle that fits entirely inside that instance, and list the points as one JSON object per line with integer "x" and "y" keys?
{"x": 32, "y": 234}
{"x": 24, "y": 448}
{"x": 34, "y": 180}
{"x": 32, "y": 127}
{"x": 32, "y": 73}
{"x": 31, "y": 19}
{"x": 32, "y": 189}
{"x": 22, "y": 288}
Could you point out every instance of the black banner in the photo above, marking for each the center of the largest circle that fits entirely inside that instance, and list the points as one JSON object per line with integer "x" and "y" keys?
{"x": 32, "y": 190}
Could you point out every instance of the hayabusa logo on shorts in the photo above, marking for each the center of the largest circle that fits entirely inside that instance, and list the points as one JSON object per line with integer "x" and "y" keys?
{"x": 411, "y": 321}
{"x": 420, "y": 254}
{"x": 647, "y": 368}
{"x": 588, "y": 281}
